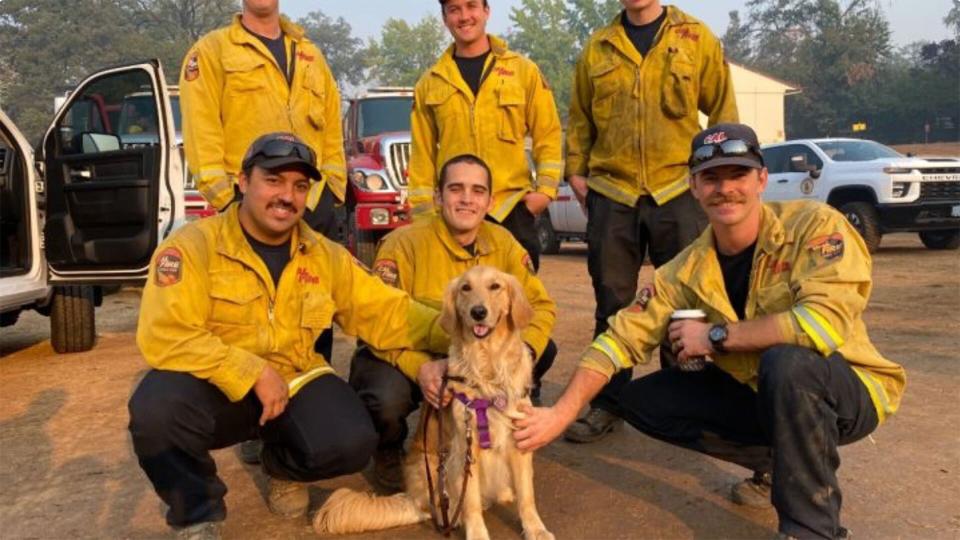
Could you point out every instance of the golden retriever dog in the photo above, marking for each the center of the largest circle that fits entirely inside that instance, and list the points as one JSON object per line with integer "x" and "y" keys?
{"x": 484, "y": 311}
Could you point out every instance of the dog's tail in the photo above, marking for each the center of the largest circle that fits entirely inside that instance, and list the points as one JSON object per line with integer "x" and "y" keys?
{"x": 348, "y": 511}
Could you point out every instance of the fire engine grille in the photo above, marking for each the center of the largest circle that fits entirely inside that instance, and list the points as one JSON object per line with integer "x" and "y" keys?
{"x": 940, "y": 191}
{"x": 398, "y": 159}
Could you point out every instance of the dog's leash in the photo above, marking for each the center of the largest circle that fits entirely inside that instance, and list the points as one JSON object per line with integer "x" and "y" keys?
{"x": 442, "y": 520}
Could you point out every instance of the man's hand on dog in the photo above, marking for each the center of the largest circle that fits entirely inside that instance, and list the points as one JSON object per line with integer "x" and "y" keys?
{"x": 540, "y": 426}
{"x": 430, "y": 378}
{"x": 273, "y": 393}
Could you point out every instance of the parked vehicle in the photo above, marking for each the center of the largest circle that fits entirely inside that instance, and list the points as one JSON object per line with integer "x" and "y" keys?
{"x": 376, "y": 134}
{"x": 879, "y": 190}
{"x": 563, "y": 221}
{"x": 102, "y": 205}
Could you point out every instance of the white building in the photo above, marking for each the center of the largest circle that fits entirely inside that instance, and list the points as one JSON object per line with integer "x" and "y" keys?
{"x": 760, "y": 102}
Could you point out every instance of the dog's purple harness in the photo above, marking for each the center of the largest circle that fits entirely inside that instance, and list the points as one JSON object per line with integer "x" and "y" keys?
{"x": 480, "y": 405}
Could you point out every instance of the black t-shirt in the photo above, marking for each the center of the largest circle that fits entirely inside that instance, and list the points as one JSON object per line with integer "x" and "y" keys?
{"x": 642, "y": 36}
{"x": 471, "y": 248}
{"x": 278, "y": 49}
{"x": 275, "y": 257}
{"x": 471, "y": 69}
{"x": 736, "y": 277}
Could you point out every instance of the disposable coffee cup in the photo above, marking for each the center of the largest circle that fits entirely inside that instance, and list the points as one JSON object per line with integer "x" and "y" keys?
{"x": 695, "y": 363}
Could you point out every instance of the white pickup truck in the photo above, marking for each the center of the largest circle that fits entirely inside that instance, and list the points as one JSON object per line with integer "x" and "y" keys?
{"x": 879, "y": 190}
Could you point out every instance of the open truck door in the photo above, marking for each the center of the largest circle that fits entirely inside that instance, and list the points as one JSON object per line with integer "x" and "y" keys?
{"x": 113, "y": 189}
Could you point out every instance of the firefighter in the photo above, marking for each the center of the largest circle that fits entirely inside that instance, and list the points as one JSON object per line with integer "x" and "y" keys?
{"x": 257, "y": 75}
{"x": 638, "y": 89}
{"x": 481, "y": 98}
{"x": 422, "y": 259}
{"x": 793, "y": 372}
{"x": 231, "y": 309}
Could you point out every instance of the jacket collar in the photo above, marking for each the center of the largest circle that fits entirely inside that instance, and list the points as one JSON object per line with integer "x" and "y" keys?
{"x": 233, "y": 244}
{"x": 239, "y": 35}
{"x": 483, "y": 246}
{"x": 446, "y": 67}
{"x": 615, "y": 35}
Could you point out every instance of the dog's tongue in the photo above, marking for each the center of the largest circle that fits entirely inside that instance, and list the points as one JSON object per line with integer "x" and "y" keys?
{"x": 481, "y": 330}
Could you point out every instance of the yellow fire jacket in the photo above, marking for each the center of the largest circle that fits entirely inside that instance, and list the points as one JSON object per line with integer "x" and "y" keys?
{"x": 632, "y": 117}
{"x": 423, "y": 257}
{"x": 514, "y": 102}
{"x": 811, "y": 271}
{"x": 210, "y": 307}
{"x": 232, "y": 91}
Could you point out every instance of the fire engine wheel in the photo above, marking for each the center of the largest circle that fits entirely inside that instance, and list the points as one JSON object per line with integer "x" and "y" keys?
{"x": 949, "y": 239}
{"x": 72, "y": 327}
{"x": 546, "y": 236}
{"x": 863, "y": 216}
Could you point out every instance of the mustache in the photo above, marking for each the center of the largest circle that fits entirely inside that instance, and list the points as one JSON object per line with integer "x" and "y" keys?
{"x": 282, "y": 205}
{"x": 729, "y": 198}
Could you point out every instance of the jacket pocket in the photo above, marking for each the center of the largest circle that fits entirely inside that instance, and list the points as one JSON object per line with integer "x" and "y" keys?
{"x": 316, "y": 316}
{"x": 510, "y": 105}
{"x": 679, "y": 90}
{"x": 233, "y": 299}
{"x": 606, "y": 85}
{"x": 315, "y": 94}
{"x": 438, "y": 101}
{"x": 243, "y": 75}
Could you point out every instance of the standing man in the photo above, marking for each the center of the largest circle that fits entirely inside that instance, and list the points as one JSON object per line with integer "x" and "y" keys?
{"x": 422, "y": 259}
{"x": 638, "y": 90}
{"x": 481, "y": 98}
{"x": 793, "y": 376}
{"x": 231, "y": 309}
{"x": 258, "y": 75}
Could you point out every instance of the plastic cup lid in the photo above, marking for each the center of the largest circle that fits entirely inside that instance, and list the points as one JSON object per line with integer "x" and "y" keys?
{"x": 689, "y": 314}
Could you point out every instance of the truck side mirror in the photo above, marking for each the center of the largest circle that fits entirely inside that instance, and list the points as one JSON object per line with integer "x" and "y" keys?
{"x": 798, "y": 163}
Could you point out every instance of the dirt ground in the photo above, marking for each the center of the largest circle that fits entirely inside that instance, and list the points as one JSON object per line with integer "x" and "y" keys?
{"x": 67, "y": 469}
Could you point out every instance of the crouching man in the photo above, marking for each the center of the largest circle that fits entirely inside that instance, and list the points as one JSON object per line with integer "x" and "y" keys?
{"x": 422, "y": 259}
{"x": 794, "y": 375}
{"x": 230, "y": 312}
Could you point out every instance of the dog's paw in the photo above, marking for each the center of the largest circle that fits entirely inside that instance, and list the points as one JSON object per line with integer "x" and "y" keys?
{"x": 540, "y": 534}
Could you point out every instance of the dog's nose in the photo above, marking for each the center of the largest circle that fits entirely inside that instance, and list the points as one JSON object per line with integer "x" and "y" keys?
{"x": 478, "y": 313}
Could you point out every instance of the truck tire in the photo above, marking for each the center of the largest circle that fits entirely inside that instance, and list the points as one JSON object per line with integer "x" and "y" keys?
{"x": 546, "y": 236}
{"x": 72, "y": 325}
{"x": 362, "y": 243}
{"x": 948, "y": 239}
{"x": 9, "y": 318}
{"x": 863, "y": 216}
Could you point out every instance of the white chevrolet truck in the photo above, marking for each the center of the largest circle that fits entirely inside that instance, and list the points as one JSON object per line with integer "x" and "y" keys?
{"x": 879, "y": 190}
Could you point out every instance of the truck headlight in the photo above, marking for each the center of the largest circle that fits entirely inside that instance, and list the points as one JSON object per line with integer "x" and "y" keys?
{"x": 900, "y": 189}
{"x": 897, "y": 170}
{"x": 379, "y": 216}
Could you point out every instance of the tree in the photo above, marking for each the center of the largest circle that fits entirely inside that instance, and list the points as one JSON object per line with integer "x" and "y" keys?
{"x": 7, "y": 78}
{"x": 584, "y": 17}
{"x": 952, "y": 20}
{"x": 737, "y": 39}
{"x": 344, "y": 53}
{"x": 405, "y": 52}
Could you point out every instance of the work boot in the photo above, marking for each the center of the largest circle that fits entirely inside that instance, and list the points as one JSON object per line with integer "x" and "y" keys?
{"x": 388, "y": 468}
{"x": 287, "y": 499}
{"x": 250, "y": 451}
{"x": 206, "y": 530}
{"x": 753, "y": 492}
{"x": 593, "y": 426}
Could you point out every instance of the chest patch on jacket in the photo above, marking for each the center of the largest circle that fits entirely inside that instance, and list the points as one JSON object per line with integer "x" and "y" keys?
{"x": 169, "y": 268}
{"x": 304, "y": 276}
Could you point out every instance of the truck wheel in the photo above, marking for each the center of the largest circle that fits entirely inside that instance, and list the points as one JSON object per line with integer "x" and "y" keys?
{"x": 9, "y": 318}
{"x": 863, "y": 216}
{"x": 941, "y": 239}
{"x": 72, "y": 327}
{"x": 549, "y": 243}
{"x": 362, "y": 243}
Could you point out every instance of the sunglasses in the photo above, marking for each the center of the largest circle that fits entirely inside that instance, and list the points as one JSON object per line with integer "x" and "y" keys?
{"x": 728, "y": 148}
{"x": 281, "y": 148}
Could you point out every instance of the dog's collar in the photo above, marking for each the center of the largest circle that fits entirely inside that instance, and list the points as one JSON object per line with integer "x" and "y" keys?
{"x": 480, "y": 405}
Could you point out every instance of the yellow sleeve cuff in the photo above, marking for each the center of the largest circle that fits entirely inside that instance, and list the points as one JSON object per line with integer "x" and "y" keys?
{"x": 594, "y": 360}
{"x": 238, "y": 373}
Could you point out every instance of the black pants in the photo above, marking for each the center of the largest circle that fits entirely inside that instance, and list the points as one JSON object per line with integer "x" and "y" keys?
{"x": 522, "y": 224}
{"x": 176, "y": 419}
{"x": 806, "y": 405}
{"x": 618, "y": 239}
{"x": 390, "y": 396}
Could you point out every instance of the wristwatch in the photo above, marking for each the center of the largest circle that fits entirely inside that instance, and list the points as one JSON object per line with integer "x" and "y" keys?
{"x": 717, "y": 335}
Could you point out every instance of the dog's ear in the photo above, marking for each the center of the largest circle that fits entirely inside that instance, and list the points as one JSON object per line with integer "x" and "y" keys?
{"x": 521, "y": 312}
{"x": 449, "y": 318}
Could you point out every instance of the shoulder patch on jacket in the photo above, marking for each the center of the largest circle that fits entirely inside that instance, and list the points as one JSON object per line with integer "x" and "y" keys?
{"x": 528, "y": 263}
{"x": 387, "y": 270}
{"x": 828, "y": 247}
{"x": 192, "y": 68}
{"x": 643, "y": 299}
{"x": 169, "y": 268}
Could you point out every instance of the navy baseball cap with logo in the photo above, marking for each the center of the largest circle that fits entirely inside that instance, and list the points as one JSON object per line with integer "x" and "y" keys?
{"x": 280, "y": 149}
{"x": 725, "y": 144}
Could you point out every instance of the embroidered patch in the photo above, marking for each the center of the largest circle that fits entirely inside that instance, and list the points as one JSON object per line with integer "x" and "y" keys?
{"x": 686, "y": 33}
{"x": 304, "y": 56}
{"x": 528, "y": 263}
{"x": 304, "y": 276}
{"x": 504, "y": 72}
{"x": 779, "y": 267}
{"x": 828, "y": 247}
{"x": 387, "y": 270}
{"x": 169, "y": 268}
{"x": 643, "y": 299}
{"x": 192, "y": 70}
{"x": 715, "y": 138}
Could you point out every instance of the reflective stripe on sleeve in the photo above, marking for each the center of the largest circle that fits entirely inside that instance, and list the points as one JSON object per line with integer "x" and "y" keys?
{"x": 820, "y": 331}
{"x": 502, "y": 211}
{"x": 609, "y": 347}
{"x": 877, "y": 393}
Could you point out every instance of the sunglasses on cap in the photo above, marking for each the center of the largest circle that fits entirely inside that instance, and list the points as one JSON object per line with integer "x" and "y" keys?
{"x": 278, "y": 148}
{"x": 728, "y": 148}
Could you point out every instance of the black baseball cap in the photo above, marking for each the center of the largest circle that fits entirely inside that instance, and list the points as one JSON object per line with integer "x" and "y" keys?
{"x": 281, "y": 149}
{"x": 725, "y": 144}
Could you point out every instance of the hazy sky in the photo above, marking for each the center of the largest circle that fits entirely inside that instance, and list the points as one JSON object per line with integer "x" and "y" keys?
{"x": 910, "y": 20}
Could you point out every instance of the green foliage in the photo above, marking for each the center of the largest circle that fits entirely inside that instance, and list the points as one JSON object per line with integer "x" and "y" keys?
{"x": 344, "y": 53}
{"x": 405, "y": 52}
